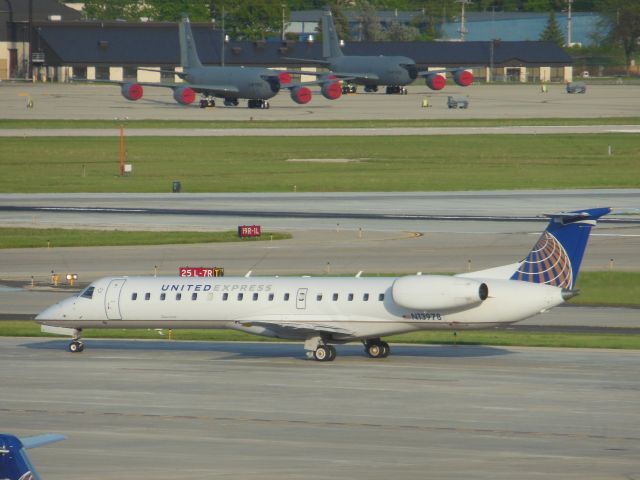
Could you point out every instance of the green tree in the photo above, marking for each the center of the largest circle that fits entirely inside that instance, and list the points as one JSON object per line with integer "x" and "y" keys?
{"x": 370, "y": 29}
{"x": 112, "y": 9}
{"x": 254, "y": 19}
{"x": 172, "y": 10}
{"x": 552, "y": 32}
{"x": 622, "y": 17}
{"x": 396, "y": 32}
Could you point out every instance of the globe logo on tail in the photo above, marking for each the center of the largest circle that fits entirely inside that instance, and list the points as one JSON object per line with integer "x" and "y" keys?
{"x": 548, "y": 263}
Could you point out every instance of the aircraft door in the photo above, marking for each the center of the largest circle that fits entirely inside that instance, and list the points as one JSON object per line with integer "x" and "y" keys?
{"x": 301, "y": 299}
{"x": 112, "y": 299}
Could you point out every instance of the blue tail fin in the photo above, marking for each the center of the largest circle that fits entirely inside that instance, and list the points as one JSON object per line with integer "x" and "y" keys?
{"x": 556, "y": 257}
{"x": 14, "y": 461}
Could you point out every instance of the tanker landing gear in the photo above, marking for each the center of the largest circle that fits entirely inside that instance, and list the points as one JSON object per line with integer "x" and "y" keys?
{"x": 76, "y": 345}
{"x": 207, "y": 102}
{"x": 258, "y": 104}
{"x": 318, "y": 350}
{"x": 349, "y": 88}
{"x": 371, "y": 88}
{"x": 230, "y": 102}
{"x": 396, "y": 90}
{"x": 376, "y": 348}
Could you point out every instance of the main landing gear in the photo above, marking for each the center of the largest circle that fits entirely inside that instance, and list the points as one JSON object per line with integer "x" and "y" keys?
{"x": 371, "y": 88}
{"x": 348, "y": 88}
{"x": 396, "y": 90}
{"x": 230, "y": 102}
{"x": 376, "y": 348}
{"x": 258, "y": 104}
{"x": 76, "y": 345}
{"x": 318, "y": 350}
{"x": 207, "y": 102}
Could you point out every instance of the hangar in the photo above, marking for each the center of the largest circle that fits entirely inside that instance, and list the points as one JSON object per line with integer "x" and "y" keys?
{"x": 63, "y": 46}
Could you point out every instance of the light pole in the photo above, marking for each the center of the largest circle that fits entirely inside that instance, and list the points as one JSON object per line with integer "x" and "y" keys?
{"x": 463, "y": 29}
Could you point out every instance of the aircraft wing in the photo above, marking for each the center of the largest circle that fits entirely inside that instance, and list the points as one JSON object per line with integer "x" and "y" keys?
{"x": 195, "y": 87}
{"x": 315, "y": 61}
{"x": 39, "y": 440}
{"x": 298, "y": 328}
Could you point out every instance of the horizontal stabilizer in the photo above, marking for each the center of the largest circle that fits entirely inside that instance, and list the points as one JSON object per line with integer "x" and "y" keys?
{"x": 39, "y": 440}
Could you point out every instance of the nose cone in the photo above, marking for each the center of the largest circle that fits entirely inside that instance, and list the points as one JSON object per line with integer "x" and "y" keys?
{"x": 59, "y": 311}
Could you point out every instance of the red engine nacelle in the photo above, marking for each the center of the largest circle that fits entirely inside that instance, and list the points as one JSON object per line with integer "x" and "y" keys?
{"x": 463, "y": 78}
{"x": 284, "y": 78}
{"x": 301, "y": 95}
{"x": 131, "y": 91}
{"x": 184, "y": 95}
{"x": 435, "y": 81}
{"x": 331, "y": 91}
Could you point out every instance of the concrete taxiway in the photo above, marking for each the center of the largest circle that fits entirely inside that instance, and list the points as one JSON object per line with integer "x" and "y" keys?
{"x": 81, "y": 102}
{"x": 161, "y": 410}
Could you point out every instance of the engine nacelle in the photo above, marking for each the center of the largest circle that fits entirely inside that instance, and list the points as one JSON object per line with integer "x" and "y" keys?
{"x": 438, "y": 292}
{"x": 435, "y": 81}
{"x": 284, "y": 78}
{"x": 301, "y": 95}
{"x": 184, "y": 95}
{"x": 464, "y": 78}
{"x": 131, "y": 91}
{"x": 331, "y": 91}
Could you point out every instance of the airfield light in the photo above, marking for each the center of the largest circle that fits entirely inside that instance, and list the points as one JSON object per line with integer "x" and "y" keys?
{"x": 71, "y": 278}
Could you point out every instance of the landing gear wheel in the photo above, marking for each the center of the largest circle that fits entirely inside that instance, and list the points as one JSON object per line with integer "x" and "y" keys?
{"x": 76, "y": 347}
{"x": 386, "y": 349}
{"x": 374, "y": 350}
{"x": 203, "y": 103}
{"x": 322, "y": 353}
{"x": 332, "y": 353}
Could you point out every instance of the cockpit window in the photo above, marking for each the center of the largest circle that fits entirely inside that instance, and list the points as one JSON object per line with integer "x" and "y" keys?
{"x": 88, "y": 292}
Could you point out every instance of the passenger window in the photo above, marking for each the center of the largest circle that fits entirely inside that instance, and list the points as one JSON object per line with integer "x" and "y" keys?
{"x": 88, "y": 292}
{"x": 255, "y": 297}
{"x": 365, "y": 297}
{"x": 163, "y": 296}
{"x": 319, "y": 297}
{"x": 240, "y": 296}
{"x": 286, "y": 297}
{"x": 381, "y": 297}
{"x": 194, "y": 296}
{"x": 225, "y": 296}
{"x": 350, "y": 297}
{"x": 178, "y": 296}
{"x": 271, "y": 297}
{"x": 134, "y": 296}
{"x": 147, "y": 296}
{"x": 335, "y": 297}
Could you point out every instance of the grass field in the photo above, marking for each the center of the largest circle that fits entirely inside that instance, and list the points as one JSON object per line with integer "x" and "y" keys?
{"x": 24, "y": 328}
{"x": 259, "y": 164}
{"x": 58, "y": 237}
{"x": 224, "y": 124}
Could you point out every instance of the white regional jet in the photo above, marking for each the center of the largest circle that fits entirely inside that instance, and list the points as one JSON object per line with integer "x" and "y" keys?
{"x": 335, "y": 310}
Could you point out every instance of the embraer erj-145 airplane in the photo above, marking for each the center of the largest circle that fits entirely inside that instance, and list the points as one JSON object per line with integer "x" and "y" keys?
{"x": 334, "y": 310}
{"x": 374, "y": 70}
{"x": 230, "y": 83}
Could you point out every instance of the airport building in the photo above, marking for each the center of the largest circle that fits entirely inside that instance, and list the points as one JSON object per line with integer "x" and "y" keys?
{"x": 64, "y": 46}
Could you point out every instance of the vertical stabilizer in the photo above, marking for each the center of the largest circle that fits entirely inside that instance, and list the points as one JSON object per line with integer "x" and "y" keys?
{"x": 556, "y": 257}
{"x": 330, "y": 43}
{"x": 188, "y": 53}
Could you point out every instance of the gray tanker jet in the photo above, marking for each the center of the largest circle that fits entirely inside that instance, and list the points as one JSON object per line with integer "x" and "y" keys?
{"x": 256, "y": 85}
{"x": 372, "y": 71}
